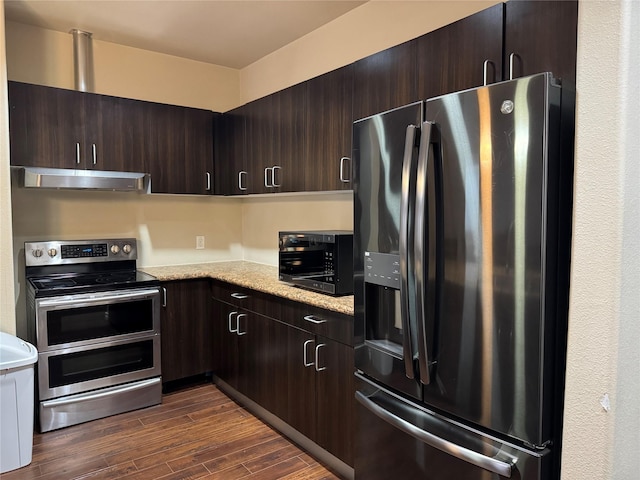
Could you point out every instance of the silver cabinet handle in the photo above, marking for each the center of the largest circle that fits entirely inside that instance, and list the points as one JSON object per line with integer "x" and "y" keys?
{"x": 512, "y": 56}
{"x": 164, "y": 297}
{"x": 238, "y": 324}
{"x": 314, "y": 319}
{"x": 208, "y": 182}
{"x": 318, "y": 368}
{"x": 504, "y": 469}
{"x": 231, "y": 329}
{"x": 241, "y": 186}
{"x": 78, "y": 153}
{"x": 266, "y": 177}
{"x": 93, "y": 152}
{"x": 273, "y": 176}
{"x": 343, "y": 178}
{"x": 485, "y": 66}
{"x": 239, "y": 296}
{"x": 304, "y": 354}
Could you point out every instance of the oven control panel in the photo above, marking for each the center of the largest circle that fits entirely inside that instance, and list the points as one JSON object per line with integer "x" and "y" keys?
{"x": 79, "y": 251}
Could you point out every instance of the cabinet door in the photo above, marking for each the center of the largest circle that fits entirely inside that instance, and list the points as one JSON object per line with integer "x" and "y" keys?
{"x": 261, "y": 143}
{"x": 115, "y": 129}
{"x": 225, "y": 342}
{"x": 460, "y": 55}
{"x": 257, "y": 344}
{"x": 186, "y": 329}
{"x": 301, "y": 387}
{"x": 541, "y": 36}
{"x": 198, "y": 151}
{"x": 335, "y": 399}
{"x": 328, "y": 132}
{"x": 165, "y": 146}
{"x": 287, "y": 173}
{"x": 46, "y": 126}
{"x": 385, "y": 80}
{"x": 230, "y": 174}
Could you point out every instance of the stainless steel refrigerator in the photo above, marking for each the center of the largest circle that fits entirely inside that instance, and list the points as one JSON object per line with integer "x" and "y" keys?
{"x": 461, "y": 264}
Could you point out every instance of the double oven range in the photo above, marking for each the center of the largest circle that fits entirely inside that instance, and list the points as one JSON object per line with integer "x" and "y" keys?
{"x": 96, "y": 322}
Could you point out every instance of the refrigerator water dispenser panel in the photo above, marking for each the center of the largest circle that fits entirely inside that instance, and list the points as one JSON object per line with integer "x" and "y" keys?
{"x": 382, "y": 269}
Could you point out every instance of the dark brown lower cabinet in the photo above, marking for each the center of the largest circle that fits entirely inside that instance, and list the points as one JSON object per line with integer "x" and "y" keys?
{"x": 335, "y": 397}
{"x": 185, "y": 329}
{"x": 265, "y": 349}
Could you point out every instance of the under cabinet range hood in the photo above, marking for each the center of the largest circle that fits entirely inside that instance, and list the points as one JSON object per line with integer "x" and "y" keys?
{"x": 62, "y": 178}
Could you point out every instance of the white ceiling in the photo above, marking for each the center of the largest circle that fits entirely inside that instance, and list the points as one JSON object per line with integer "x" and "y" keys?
{"x": 231, "y": 33}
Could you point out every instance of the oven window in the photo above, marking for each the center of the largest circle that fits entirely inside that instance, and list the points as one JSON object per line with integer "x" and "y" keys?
{"x": 98, "y": 363}
{"x": 84, "y": 323}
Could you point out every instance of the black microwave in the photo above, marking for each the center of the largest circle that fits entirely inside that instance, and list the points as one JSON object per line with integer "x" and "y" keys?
{"x": 319, "y": 260}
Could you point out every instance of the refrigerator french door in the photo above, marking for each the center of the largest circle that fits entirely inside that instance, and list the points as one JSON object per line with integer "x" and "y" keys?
{"x": 459, "y": 339}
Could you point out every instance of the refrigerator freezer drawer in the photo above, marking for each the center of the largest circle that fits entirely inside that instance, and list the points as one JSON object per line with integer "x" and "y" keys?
{"x": 399, "y": 439}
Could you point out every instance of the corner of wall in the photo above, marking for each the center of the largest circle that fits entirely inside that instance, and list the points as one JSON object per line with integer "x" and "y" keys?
{"x": 7, "y": 300}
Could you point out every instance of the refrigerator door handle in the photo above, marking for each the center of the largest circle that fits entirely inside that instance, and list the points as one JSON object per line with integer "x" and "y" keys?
{"x": 419, "y": 252}
{"x": 491, "y": 464}
{"x": 407, "y": 207}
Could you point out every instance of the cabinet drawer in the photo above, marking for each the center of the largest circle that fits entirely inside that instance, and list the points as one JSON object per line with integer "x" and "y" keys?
{"x": 249, "y": 299}
{"x": 319, "y": 321}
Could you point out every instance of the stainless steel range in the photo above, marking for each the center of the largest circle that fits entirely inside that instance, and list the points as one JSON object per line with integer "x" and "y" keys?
{"x": 96, "y": 322}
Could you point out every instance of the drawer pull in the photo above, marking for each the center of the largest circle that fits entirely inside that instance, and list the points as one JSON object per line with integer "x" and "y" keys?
{"x": 239, "y": 296}
{"x": 314, "y": 319}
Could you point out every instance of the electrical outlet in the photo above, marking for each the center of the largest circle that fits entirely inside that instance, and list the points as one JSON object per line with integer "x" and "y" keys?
{"x": 199, "y": 242}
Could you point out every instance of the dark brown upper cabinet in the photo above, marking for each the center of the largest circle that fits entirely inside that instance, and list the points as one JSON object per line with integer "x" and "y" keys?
{"x": 271, "y": 145}
{"x": 59, "y": 128}
{"x": 541, "y": 36}
{"x": 462, "y": 55}
{"x": 178, "y": 144}
{"x": 260, "y": 143}
{"x": 274, "y": 133}
{"x": 230, "y": 174}
{"x": 385, "y": 80}
{"x": 287, "y": 171}
{"x": 329, "y": 119}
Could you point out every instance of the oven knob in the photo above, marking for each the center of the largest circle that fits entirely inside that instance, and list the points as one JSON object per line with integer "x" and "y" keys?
{"x": 52, "y": 252}
{"x": 37, "y": 253}
{"x": 115, "y": 249}
{"x": 126, "y": 248}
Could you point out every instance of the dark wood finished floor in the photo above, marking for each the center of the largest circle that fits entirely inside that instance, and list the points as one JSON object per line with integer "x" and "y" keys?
{"x": 198, "y": 432}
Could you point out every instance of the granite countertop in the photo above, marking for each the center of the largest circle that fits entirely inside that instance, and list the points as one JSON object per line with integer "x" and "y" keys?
{"x": 263, "y": 278}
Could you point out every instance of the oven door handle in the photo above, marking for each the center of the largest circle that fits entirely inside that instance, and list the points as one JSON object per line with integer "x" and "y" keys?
{"x": 83, "y": 397}
{"x": 80, "y": 300}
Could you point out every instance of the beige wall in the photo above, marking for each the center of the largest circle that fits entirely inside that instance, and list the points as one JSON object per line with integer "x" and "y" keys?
{"x": 45, "y": 57}
{"x": 602, "y": 413}
{"x": 263, "y": 217}
{"x": 7, "y": 301}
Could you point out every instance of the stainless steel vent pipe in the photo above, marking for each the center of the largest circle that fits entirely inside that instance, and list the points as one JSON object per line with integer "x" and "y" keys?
{"x": 82, "y": 61}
